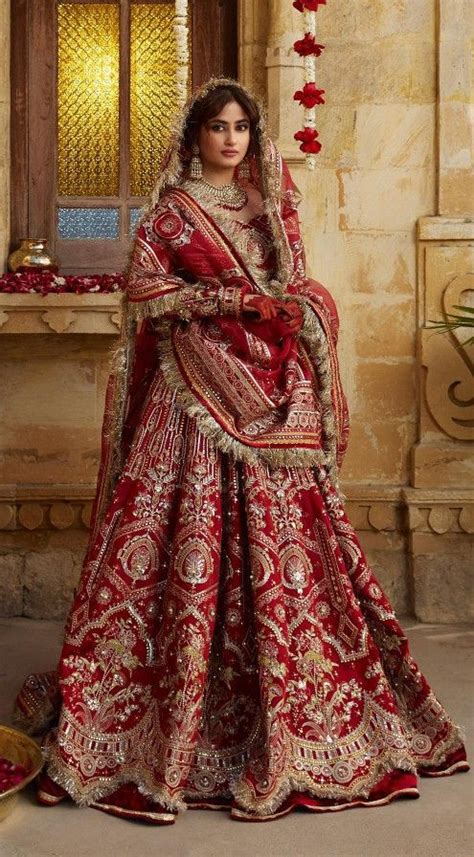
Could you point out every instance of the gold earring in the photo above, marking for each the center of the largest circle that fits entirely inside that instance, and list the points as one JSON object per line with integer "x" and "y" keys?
{"x": 244, "y": 169}
{"x": 195, "y": 171}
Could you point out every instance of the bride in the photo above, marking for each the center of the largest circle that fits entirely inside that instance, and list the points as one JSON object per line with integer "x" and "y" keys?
{"x": 228, "y": 646}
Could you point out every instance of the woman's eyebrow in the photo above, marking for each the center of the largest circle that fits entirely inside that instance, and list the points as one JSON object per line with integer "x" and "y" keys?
{"x": 223, "y": 121}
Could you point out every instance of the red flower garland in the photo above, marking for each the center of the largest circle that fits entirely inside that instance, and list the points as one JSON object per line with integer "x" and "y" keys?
{"x": 48, "y": 283}
{"x": 308, "y": 5}
{"x": 310, "y": 95}
{"x": 309, "y": 144}
{"x": 307, "y": 46}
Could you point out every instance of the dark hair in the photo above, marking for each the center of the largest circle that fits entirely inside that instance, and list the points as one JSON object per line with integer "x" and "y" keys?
{"x": 211, "y": 105}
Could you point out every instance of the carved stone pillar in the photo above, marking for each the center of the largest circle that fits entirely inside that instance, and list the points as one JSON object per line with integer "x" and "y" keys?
{"x": 444, "y": 454}
{"x": 284, "y": 77}
{"x": 441, "y": 502}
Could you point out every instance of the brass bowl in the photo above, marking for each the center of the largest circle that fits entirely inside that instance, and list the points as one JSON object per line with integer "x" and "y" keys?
{"x": 22, "y": 750}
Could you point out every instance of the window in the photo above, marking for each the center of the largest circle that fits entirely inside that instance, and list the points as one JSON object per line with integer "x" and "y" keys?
{"x": 97, "y": 82}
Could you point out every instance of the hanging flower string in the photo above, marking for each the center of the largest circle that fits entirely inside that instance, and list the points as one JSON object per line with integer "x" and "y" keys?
{"x": 182, "y": 50}
{"x": 310, "y": 95}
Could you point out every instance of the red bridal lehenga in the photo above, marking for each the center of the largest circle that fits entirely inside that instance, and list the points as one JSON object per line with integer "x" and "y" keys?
{"x": 228, "y": 645}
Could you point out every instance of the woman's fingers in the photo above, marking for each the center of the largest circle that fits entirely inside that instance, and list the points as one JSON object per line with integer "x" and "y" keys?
{"x": 267, "y": 308}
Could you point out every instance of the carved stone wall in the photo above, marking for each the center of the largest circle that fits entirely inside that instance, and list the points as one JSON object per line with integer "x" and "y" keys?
{"x": 443, "y": 455}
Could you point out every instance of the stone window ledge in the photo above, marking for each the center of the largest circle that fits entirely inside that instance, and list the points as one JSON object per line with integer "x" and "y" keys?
{"x": 446, "y": 228}
{"x": 62, "y": 313}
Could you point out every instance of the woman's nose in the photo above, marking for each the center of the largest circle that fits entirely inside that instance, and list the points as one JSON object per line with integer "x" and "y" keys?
{"x": 230, "y": 137}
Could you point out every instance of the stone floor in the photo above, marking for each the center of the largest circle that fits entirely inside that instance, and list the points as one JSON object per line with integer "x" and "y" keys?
{"x": 439, "y": 823}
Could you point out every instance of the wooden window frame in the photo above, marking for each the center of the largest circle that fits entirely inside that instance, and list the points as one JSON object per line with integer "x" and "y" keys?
{"x": 34, "y": 123}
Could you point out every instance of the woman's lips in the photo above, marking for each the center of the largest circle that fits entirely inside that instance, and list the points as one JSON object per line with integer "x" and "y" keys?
{"x": 229, "y": 152}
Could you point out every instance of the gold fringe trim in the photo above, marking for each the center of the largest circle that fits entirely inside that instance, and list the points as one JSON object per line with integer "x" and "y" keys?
{"x": 85, "y": 795}
{"x": 209, "y": 427}
{"x": 314, "y": 336}
{"x": 454, "y": 741}
{"x": 299, "y": 782}
{"x": 122, "y": 363}
{"x": 114, "y": 415}
{"x": 240, "y": 789}
{"x": 406, "y": 761}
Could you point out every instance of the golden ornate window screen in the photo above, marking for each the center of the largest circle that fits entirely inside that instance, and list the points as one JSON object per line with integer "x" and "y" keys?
{"x": 88, "y": 99}
{"x": 152, "y": 90}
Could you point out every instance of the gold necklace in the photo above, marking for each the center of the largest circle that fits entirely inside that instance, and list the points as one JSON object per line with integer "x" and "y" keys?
{"x": 231, "y": 195}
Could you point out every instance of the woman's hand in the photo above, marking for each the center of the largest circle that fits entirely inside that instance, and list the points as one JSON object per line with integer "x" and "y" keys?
{"x": 291, "y": 314}
{"x": 261, "y": 306}
{"x": 266, "y": 308}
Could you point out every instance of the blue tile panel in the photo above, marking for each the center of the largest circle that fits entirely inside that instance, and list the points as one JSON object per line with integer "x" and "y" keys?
{"x": 77, "y": 223}
{"x": 135, "y": 214}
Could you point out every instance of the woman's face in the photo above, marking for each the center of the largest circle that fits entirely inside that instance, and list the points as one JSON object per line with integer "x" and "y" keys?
{"x": 223, "y": 140}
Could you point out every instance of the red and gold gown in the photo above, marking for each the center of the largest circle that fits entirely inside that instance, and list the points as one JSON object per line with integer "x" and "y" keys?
{"x": 228, "y": 645}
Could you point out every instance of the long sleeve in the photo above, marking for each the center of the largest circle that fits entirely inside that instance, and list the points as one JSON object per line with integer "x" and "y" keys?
{"x": 155, "y": 289}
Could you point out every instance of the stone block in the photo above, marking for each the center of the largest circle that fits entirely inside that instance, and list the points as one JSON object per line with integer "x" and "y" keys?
{"x": 456, "y": 192}
{"x": 390, "y": 570}
{"x": 456, "y": 18}
{"x": 456, "y": 136}
{"x": 394, "y": 135}
{"x": 5, "y": 147}
{"x": 384, "y": 330}
{"x": 443, "y": 580}
{"x": 5, "y": 195}
{"x": 443, "y": 464}
{"x": 373, "y": 20}
{"x": 378, "y": 451}
{"x": 363, "y": 263}
{"x": 455, "y": 69}
{"x": 388, "y": 199}
{"x": 49, "y": 582}
{"x": 49, "y": 393}
{"x": 4, "y": 51}
{"x": 396, "y": 70}
{"x": 11, "y": 589}
{"x": 4, "y": 246}
{"x": 319, "y": 204}
{"x": 336, "y": 124}
{"x": 50, "y": 455}
{"x": 385, "y": 390}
